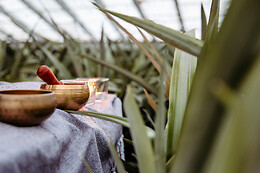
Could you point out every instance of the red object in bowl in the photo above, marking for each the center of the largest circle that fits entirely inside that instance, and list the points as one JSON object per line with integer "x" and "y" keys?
{"x": 45, "y": 73}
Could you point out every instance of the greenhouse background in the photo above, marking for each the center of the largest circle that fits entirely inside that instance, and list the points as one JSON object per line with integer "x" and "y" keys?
{"x": 160, "y": 11}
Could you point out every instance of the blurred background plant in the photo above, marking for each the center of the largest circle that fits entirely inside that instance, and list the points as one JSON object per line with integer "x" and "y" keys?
{"x": 201, "y": 105}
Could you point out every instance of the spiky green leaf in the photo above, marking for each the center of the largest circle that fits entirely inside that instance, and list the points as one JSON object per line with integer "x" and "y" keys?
{"x": 175, "y": 38}
{"x": 142, "y": 143}
{"x": 183, "y": 71}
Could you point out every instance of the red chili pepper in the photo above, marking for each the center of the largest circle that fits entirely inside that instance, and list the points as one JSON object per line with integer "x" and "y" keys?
{"x": 45, "y": 73}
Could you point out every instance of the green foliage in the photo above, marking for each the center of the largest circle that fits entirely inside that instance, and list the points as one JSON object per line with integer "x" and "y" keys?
{"x": 237, "y": 140}
{"x": 119, "y": 163}
{"x": 228, "y": 56}
{"x": 142, "y": 143}
{"x": 203, "y": 115}
{"x": 160, "y": 136}
{"x": 173, "y": 37}
{"x": 183, "y": 71}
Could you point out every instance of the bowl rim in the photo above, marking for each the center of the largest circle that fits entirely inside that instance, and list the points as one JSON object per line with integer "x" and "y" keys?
{"x": 102, "y": 79}
{"x": 21, "y": 92}
{"x": 64, "y": 86}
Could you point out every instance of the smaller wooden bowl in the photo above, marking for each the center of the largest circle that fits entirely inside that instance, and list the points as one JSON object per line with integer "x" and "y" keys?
{"x": 26, "y": 107}
{"x": 70, "y": 96}
{"x": 91, "y": 85}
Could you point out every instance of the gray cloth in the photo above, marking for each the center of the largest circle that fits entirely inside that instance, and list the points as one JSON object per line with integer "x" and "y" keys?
{"x": 60, "y": 143}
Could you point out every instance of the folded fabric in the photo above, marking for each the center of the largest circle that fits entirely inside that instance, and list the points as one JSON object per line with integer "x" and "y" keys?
{"x": 62, "y": 142}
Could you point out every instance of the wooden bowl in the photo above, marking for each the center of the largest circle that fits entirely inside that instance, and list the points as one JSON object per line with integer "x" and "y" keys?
{"x": 91, "y": 86}
{"x": 26, "y": 107}
{"x": 70, "y": 96}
